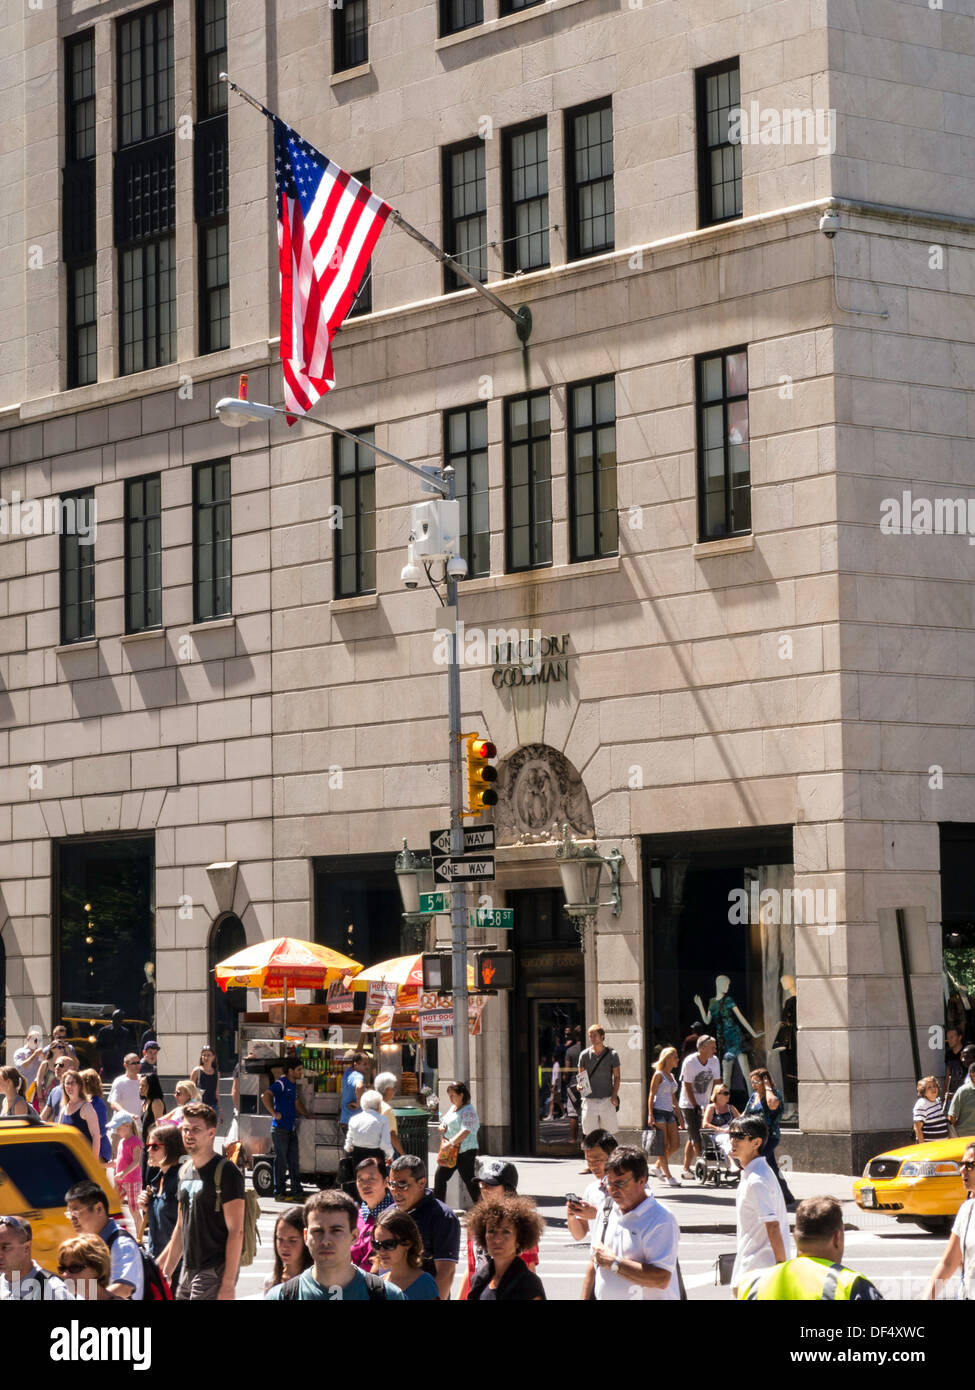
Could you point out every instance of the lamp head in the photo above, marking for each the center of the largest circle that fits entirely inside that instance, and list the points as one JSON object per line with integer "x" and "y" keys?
{"x": 235, "y": 414}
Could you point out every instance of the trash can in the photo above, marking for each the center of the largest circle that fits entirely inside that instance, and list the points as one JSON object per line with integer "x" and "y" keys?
{"x": 412, "y": 1123}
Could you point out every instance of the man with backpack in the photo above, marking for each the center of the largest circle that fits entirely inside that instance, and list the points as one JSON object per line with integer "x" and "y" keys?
{"x": 330, "y": 1228}
{"x": 87, "y": 1208}
{"x": 209, "y": 1231}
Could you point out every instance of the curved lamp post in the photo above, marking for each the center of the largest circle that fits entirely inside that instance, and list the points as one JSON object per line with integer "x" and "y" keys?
{"x": 414, "y": 873}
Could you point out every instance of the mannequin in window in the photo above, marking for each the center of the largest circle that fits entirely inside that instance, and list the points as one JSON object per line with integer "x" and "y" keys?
{"x": 782, "y": 1054}
{"x": 730, "y": 1026}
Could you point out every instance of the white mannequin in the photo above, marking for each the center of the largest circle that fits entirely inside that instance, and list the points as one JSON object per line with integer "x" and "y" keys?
{"x": 721, "y": 986}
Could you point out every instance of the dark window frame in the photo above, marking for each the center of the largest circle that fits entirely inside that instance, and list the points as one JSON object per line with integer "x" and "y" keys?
{"x": 153, "y": 340}
{"x": 572, "y": 431}
{"x": 144, "y": 18}
{"x": 452, "y": 282}
{"x": 209, "y": 339}
{"x": 574, "y": 186}
{"x": 144, "y": 520}
{"x": 448, "y": 13}
{"x": 209, "y": 509}
{"x": 206, "y": 108}
{"x": 705, "y": 191}
{"x": 86, "y": 576}
{"x": 510, "y": 205}
{"x": 346, "y": 53}
{"x": 71, "y": 46}
{"x": 700, "y": 406}
{"x": 517, "y": 6}
{"x": 78, "y": 215}
{"x": 466, "y": 498}
{"x": 358, "y": 551}
{"x": 534, "y": 563}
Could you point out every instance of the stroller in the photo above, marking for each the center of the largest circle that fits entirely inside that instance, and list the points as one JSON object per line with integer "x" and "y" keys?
{"x": 715, "y": 1165}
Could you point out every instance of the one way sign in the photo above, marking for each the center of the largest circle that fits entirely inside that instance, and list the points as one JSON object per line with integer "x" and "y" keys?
{"x": 463, "y": 870}
{"x": 477, "y": 837}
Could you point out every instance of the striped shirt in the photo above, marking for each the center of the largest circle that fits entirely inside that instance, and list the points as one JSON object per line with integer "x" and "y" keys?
{"x": 932, "y": 1117}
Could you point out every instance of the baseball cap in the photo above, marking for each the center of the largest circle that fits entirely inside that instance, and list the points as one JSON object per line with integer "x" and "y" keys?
{"x": 497, "y": 1172}
{"x": 121, "y": 1117}
{"x": 151, "y": 1043}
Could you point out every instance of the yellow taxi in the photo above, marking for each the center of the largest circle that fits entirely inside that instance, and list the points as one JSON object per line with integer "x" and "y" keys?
{"x": 38, "y": 1163}
{"x": 920, "y": 1183}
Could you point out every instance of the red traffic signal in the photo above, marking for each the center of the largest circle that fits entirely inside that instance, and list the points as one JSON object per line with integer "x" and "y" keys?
{"x": 480, "y": 774}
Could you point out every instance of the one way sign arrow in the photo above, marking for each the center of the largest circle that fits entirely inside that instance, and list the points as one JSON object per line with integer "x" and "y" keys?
{"x": 476, "y": 837}
{"x": 463, "y": 870}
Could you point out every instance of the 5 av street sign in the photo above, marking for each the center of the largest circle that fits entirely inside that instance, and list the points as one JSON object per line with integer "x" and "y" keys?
{"x": 434, "y": 902}
{"x": 463, "y": 870}
{"x": 479, "y": 837}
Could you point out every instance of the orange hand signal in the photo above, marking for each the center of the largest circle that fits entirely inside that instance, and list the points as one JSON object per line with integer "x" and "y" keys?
{"x": 488, "y": 972}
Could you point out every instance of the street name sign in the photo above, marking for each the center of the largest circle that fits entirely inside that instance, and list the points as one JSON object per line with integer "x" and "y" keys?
{"x": 500, "y": 917}
{"x": 434, "y": 902}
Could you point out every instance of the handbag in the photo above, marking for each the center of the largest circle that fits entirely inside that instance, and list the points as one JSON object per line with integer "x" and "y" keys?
{"x": 447, "y": 1155}
{"x": 723, "y": 1268}
{"x": 653, "y": 1141}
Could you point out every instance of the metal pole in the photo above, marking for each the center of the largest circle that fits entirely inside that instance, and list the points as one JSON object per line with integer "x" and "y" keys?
{"x": 901, "y": 917}
{"x": 458, "y": 909}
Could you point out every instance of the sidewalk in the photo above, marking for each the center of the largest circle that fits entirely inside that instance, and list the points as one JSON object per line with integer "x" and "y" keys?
{"x": 697, "y": 1208}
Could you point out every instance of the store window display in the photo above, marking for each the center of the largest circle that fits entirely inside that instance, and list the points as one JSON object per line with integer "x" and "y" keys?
{"x": 730, "y": 1026}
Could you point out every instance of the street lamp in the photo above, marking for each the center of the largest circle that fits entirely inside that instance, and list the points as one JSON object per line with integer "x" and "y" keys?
{"x": 239, "y": 411}
{"x": 414, "y": 873}
{"x": 581, "y": 868}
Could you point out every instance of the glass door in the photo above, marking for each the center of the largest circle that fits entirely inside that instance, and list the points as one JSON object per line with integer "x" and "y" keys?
{"x": 557, "y": 1038}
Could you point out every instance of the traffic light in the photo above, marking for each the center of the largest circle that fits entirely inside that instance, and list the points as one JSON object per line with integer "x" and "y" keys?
{"x": 494, "y": 970}
{"x": 480, "y": 774}
{"x": 437, "y": 972}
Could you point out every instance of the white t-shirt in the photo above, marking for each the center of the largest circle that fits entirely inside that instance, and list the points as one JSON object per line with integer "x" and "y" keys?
{"x": 594, "y": 1196}
{"x": 126, "y": 1092}
{"x": 700, "y": 1077}
{"x": 648, "y": 1234}
{"x": 964, "y": 1229}
{"x": 759, "y": 1200}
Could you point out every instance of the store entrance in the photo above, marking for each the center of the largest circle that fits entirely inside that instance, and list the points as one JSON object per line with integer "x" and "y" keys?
{"x": 547, "y": 1025}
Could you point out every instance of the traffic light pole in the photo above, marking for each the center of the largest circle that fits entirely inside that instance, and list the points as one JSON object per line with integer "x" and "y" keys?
{"x": 458, "y": 908}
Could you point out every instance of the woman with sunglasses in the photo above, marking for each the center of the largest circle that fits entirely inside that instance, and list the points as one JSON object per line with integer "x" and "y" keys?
{"x": 398, "y": 1251}
{"x": 207, "y": 1077}
{"x": 85, "y": 1263}
{"x": 766, "y": 1103}
{"x": 184, "y": 1094}
{"x": 720, "y": 1112}
{"x": 77, "y": 1110}
{"x": 960, "y": 1251}
{"x": 159, "y": 1199}
{"x": 52, "y": 1108}
{"x": 46, "y": 1078}
{"x": 153, "y": 1105}
{"x": 291, "y": 1254}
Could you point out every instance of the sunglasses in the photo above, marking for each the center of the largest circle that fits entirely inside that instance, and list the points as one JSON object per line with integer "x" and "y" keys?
{"x": 15, "y": 1222}
{"x": 385, "y": 1244}
{"x": 967, "y": 1163}
{"x": 155, "y": 1146}
{"x": 400, "y": 1186}
{"x": 72, "y": 1269}
{"x": 737, "y": 1134}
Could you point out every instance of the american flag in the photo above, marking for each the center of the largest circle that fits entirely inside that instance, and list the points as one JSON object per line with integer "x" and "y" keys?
{"x": 328, "y": 225}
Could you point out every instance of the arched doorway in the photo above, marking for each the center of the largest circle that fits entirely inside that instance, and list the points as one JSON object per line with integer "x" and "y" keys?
{"x": 227, "y": 936}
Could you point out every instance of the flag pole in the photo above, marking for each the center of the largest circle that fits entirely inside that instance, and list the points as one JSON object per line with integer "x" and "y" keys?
{"x": 520, "y": 317}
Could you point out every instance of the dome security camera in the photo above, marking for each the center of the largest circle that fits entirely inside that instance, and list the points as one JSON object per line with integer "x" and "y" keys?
{"x": 411, "y": 575}
{"x": 456, "y": 567}
{"x": 829, "y": 224}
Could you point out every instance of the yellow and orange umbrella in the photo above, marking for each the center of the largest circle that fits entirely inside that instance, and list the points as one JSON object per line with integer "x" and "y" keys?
{"x": 404, "y": 971}
{"x": 284, "y": 961}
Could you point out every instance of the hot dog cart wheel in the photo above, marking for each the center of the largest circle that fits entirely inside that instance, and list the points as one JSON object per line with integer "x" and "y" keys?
{"x": 263, "y": 1178}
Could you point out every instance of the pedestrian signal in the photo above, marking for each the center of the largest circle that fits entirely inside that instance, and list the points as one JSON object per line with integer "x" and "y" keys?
{"x": 494, "y": 970}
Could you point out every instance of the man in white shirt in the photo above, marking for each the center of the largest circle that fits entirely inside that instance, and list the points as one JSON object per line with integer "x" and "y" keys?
{"x": 21, "y": 1277}
{"x": 763, "y": 1222}
{"x": 637, "y": 1258}
{"x": 124, "y": 1094}
{"x": 368, "y": 1131}
{"x": 698, "y": 1075}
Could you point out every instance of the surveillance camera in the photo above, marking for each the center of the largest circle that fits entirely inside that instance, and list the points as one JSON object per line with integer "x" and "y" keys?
{"x": 411, "y": 576}
{"x": 456, "y": 567}
{"x": 829, "y": 224}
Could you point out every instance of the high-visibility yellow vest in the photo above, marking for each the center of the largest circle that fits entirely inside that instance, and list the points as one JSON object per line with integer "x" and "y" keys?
{"x": 803, "y": 1279}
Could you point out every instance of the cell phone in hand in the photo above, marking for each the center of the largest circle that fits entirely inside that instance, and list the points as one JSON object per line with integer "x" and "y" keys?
{"x": 574, "y": 1199}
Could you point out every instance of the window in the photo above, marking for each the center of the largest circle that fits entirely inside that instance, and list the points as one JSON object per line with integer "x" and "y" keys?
{"x": 456, "y": 15}
{"x": 350, "y": 34}
{"x": 362, "y": 304}
{"x": 589, "y": 176}
{"x": 592, "y": 470}
{"x": 719, "y": 161}
{"x": 724, "y": 477}
{"x": 515, "y": 6}
{"x": 41, "y": 1172}
{"x": 465, "y": 446}
{"x": 78, "y": 210}
{"x": 465, "y": 212}
{"x": 145, "y": 76}
{"x": 211, "y": 177}
{"x": 145, "y": 190}
{"x": 526, "y": 198}
{"x": 78, "y": 571}
{"x": 211, "y": 541}
{"x": 143, "y": 554}
{"x": 355, "y": 538}
{"x": 528, "y": 482}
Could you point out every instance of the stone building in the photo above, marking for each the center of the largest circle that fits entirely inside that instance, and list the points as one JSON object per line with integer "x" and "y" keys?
{"x": 690, "y": 484}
